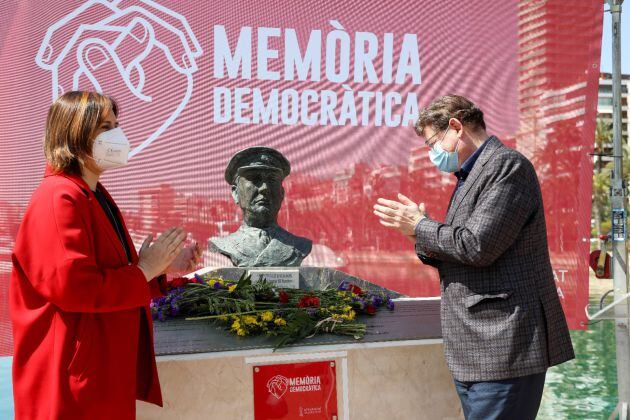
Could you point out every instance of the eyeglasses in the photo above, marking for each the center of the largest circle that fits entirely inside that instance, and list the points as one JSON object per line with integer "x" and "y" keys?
{"x": 430, "y": 144}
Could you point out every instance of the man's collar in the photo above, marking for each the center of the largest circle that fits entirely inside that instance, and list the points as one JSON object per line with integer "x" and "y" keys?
{"x": 470, "y": 162}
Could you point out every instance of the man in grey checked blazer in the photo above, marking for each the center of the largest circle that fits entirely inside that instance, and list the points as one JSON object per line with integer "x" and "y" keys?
{"x": 502, "y": 321}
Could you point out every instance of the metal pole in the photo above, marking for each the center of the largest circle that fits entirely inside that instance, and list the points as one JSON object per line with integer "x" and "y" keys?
{"x": 618, "y": 201}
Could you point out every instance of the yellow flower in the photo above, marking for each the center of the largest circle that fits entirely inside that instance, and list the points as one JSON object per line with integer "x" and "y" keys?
{"x": 347, "y": 308}
{"x": 241, "y": 332}
{"x": 249, "y": 320}
{"x": 212, "y": 282}
{"x": 236, "y": 325}
{"x": 349, "y": 316}
{"x": 266, "y": 316}
{"x": 231, "y": 288}
{"x": 280, "y": 322}
{"x": 223, "y": 318}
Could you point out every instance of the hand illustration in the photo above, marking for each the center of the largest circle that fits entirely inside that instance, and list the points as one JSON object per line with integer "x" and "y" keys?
{"x": 139, "y": 52}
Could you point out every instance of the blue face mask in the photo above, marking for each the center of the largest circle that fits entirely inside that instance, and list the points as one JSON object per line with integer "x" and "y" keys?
{"x": 445, "y": 161}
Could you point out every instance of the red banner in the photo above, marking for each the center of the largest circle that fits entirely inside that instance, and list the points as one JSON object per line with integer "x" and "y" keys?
{"x": 336, "y": 88}
{"x": 296, "y": 390}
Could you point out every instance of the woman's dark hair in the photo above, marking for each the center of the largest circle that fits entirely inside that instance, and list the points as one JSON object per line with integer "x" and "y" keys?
{"x": 71, "y": 126}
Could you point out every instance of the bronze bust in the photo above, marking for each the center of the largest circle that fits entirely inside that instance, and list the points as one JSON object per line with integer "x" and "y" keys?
{"x": 256, "y": 176}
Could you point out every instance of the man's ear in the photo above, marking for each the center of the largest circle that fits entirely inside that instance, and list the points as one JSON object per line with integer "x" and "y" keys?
{"x": 455, "y": 124}
{"x": 235, "y": 193}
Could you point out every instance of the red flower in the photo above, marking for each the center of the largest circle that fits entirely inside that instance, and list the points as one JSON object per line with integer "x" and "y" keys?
{"x": 355, "y": 289}
{"x": 284, "y": 297}
{"x": 178, "y": 282}
{"x": 309, "y": 302}
{"x": 370, "y": 309}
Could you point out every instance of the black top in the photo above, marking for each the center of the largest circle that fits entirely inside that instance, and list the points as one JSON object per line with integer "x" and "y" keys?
{"x": 112, "y": 215}
{"x": 468, "y": 165}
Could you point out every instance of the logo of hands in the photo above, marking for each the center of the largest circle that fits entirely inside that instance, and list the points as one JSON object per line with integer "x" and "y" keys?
{"x": 278, "y": 386}
{"x": 135, "y": 50}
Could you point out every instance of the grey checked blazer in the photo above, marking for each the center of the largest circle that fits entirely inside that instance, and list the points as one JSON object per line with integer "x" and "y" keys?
{"x": 501, "y": 315}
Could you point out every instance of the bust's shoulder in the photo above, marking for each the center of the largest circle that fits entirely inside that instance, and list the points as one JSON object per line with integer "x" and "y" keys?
{"x": 221, "y": 243}
{"x": 304, "y": 245}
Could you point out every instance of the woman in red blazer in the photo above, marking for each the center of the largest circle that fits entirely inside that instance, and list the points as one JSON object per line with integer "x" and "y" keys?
{"x": 79, "y": 292}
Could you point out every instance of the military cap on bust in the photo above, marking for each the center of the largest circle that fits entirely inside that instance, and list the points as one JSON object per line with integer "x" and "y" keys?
{"x": 257, "y": 157}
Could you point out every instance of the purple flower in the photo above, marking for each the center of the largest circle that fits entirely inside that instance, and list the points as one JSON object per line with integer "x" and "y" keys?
{"x": 160, "y": 315}
{"x": 199, "y": 279}
{"x": 377, "y": 300}
{"x": 174, "y": 310}
{"x": 311, "y": 311}
{"x": 217, "y": 285}
{"x": 343, "y": 286}
{"x": 390, "y": 305}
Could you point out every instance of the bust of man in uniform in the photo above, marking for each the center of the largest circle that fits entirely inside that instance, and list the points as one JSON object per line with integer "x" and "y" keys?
{"x": 256, "y": 176}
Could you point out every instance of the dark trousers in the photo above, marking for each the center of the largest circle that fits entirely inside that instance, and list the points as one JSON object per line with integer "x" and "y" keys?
{"x": 513, "y": 399}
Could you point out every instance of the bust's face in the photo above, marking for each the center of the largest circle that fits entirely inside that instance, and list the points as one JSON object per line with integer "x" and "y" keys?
{"x": 259, "y": 193}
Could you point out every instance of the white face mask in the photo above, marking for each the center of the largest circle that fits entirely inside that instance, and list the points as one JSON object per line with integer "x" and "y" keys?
{"x": 111, "y": 149}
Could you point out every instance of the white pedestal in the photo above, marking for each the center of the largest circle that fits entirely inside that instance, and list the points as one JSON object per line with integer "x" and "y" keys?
{"x": 386, "y": 380}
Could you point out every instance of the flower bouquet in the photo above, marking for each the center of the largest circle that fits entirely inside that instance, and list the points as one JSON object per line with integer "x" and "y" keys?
{"x": 245, "y": 308}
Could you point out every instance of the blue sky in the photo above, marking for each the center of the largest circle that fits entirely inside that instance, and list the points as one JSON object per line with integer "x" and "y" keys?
{"x": 606, "y": 62}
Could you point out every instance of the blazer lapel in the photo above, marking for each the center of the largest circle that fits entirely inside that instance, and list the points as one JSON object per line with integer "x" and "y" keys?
{"x": 103, "y": 220}
{"x": 493, "y": 145}
{"x": 106, "y": 225}
{"x": 132, "y": 249}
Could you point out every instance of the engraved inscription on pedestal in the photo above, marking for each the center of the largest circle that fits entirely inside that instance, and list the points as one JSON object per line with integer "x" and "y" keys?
{"x": 284, "y": 279}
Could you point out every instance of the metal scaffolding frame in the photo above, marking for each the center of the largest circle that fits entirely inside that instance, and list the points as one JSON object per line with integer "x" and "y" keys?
{"x": 618, "y": 196}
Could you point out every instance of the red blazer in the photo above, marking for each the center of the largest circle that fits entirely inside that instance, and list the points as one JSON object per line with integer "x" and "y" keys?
{"x": 82, "y": 327}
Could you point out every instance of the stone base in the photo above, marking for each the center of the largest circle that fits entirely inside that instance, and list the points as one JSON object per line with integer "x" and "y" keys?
{"x": 408, "y": 380}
